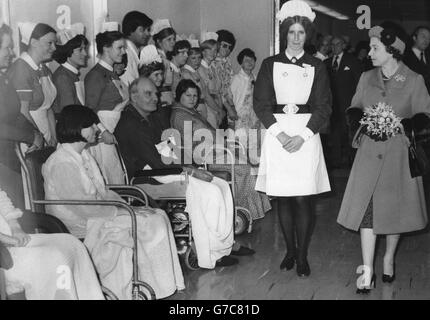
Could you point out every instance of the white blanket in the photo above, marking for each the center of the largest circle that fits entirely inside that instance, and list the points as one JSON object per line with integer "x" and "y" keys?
{"x": 110, "y": 245}
{"x": 210, "y": 206}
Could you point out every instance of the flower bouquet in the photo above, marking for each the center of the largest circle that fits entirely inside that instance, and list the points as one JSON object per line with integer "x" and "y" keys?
{"x": 379, "y": 122}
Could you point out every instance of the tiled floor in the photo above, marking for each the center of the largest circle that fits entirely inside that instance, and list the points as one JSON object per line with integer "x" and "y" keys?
{"x": 334, "y": 256}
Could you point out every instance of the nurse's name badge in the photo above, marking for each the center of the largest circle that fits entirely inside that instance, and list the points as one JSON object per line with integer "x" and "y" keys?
{"x": 285, "y": 74}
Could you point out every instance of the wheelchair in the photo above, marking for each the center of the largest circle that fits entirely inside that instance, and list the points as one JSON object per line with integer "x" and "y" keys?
{"x": 31, "y": 165}
{"x": 175, "y": 207}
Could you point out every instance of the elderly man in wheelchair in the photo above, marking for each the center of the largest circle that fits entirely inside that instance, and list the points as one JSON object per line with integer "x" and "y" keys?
{"x": 209, "y": 201}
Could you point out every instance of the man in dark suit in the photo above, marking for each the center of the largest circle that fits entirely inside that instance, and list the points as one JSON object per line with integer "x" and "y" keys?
{"x": 417, "y": 58}
{"x": 344, "y": 72}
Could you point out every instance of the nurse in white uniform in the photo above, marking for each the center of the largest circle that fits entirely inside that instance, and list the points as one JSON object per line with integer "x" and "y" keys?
{"x": 292, "y": 99}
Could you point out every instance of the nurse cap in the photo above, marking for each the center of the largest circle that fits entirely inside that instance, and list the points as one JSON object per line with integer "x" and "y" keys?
{"x": 159, "y": 25}
{"x": 149, "y": 54}
{"x": 208, "y": 36}
{"x": 295, "y": 8}
{"x": 68, "y": 34}
{"x": 110, "y": 26}
{"x": 388, "y": 38}
{"x": 26, "y": 29}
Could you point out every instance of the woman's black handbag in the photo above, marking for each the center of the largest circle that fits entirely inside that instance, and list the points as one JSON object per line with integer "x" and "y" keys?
{"x": 419, "y": 163}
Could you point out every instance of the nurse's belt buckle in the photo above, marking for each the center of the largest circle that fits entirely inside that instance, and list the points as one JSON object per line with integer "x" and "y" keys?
{"x": 290, "y": 109}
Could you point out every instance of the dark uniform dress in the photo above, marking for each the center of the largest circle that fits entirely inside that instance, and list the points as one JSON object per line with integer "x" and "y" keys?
{"x": 33, "y": 84}
{"x": 70, "y": 90}
{"x": 14, "y": 127}
{"x": 296, "y": 97}
{"x": 105, "y": 93}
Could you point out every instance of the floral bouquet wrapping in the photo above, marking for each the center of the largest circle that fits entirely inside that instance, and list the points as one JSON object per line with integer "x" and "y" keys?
{"x": 379, "y": 122}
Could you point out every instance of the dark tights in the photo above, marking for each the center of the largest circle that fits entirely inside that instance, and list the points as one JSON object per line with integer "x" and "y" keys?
{"x": 296, "y": 217}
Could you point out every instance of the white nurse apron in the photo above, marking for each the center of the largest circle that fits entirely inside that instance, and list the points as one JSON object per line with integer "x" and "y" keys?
{"x": 303, "y": 172}
{"x": 106, "y": 155}
{"x": 80, "y": 91}
{"x": 40, "y": 116}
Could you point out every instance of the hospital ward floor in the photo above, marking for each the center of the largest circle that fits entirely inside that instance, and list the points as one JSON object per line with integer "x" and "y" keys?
{"x": 334, "y": 256}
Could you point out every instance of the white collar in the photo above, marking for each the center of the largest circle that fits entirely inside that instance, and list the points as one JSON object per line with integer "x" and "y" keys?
{"x": 190, "y": 68}
{"x": 339, "y": 57}
{"x": 26, "y": 57}
{"x": 418, "y": 53}
{"x": 132, "y": 46}
{"x": 204, "y": 64}
{"x": 71, "y": 68}
{"x": 174, "y": 67}
{"x": 301, "y": 54}
{"x": 105, "y": 65}
{"x": 162, "y": 53}
{"x": 242, "y": 73}
{"x": 320, "y": 56}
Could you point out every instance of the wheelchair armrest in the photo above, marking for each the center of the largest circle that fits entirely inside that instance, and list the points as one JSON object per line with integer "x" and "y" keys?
{"x": 157, "y": 172}
{"x": 145, "y": 176}
{"x": 97, "y": 203}
{"x": 130, "y": 191}
{"x": 41, "y": 223}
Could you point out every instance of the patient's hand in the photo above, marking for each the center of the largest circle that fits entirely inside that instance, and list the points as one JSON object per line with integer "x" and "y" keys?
{"x": 202, "y": 175}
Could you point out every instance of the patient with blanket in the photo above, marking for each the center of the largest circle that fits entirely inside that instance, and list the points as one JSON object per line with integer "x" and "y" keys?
{"x": 71, "y": 173}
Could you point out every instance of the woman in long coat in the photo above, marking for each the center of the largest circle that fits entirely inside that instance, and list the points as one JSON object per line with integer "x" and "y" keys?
{"x": 381, "y": 197}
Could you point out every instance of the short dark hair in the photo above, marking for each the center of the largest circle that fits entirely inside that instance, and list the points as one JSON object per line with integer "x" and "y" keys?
{"x": 39, "y": 31}
{"x": 166, "y": 32}
{"x": 179, "y": 45}
{"x": 183, "y": 86}
{"x": 195, "y": 50}
{"x": 4, "y": 29}
{"x": 246, "y": 53}
{"x": 65, "y": 51}
{"x": 107, "y": 38}
{"x": 134, "y": 19}
{"x": 287, "y": 23}
{"x": 226, "y": 36}
{"x": 71, "y": 120}
{"x": 147, "y": 69}
{"x": 395, "y": 52}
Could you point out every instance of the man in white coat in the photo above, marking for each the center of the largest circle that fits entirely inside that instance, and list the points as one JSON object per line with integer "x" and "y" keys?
{"x": 136, "y": 28}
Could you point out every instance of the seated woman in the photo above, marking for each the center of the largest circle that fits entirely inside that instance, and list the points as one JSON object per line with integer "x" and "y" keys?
{"x": 209, "y": 200}
{"x": 183, "y": 113}
{"x": 46, "y": 266}
{"x": 71, "y": 173}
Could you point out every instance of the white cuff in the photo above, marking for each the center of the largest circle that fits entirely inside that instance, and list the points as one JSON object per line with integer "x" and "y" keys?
{"x": 274, "y": 129}
{"x": 101, "y": 127}
{"x": 306, "y": 134}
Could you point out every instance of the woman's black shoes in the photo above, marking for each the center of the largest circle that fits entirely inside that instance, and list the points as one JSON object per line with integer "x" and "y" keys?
{"x": 366, "y": 290}
{"x": 303, "y": 269}
{"x": 388, "y": 279}
{"x": 287, "y": 263}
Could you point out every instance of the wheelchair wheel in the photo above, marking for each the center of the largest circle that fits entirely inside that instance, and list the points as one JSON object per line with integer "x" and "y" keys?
{"x": 191, "y": 259}
{"x": 179, "y": 219}
{"x": 143, "y": 291}
{"x": 241, "y": 222}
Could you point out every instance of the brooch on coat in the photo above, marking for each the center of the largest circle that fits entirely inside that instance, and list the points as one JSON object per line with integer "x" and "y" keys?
{"x": 400, "y": 78}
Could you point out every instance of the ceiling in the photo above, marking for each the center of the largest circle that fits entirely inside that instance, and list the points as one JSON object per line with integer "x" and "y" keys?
{"x": 384, "y": 9}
